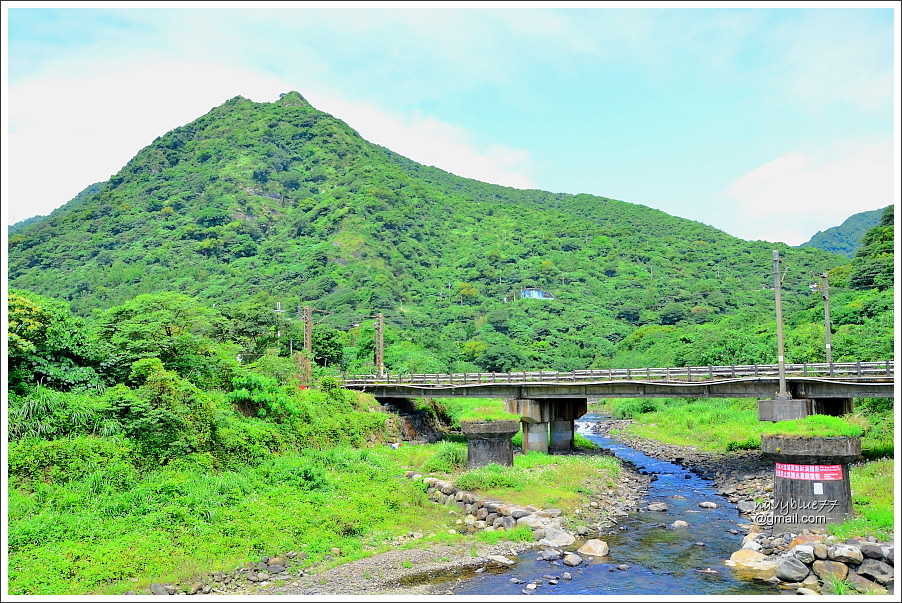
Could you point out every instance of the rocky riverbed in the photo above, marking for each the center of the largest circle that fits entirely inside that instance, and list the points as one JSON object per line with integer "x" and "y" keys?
{"x": 742, "y": 478}
{"x": 808, "y": 561}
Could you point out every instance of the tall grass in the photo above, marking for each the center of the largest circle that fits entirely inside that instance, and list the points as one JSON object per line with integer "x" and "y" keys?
{"x": 89, "y": 536}
{"x": 873, "y": 501}
{"x": 723, "y": 425}
{"x": 707, "y": 424}
{"x": 543, "y": 479}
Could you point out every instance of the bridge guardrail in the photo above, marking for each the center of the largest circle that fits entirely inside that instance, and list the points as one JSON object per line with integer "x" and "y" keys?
{"x": 883, "y": 369}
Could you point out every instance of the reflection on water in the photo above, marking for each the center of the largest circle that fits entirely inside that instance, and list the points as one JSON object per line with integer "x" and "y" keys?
{"x": 648, "y": 556}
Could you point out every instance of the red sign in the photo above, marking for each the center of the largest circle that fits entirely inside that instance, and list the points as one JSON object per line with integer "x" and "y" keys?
{"x": 812, "y": 472}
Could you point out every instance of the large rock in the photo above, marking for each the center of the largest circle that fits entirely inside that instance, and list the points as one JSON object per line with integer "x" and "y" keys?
{"x": 594, "y": 548}
{"x": 549, "y": 554}
{"x": 865, "y": 586}
{"x": 658, "y": 507}
{"x": 572, "y": 559}
{"x": 532, "y": 521}
{"x": 746, "y": 506}
{"x": 846, "y": 553}
{"x": 557, "y": 537}
{"x": 791, "y": 569}
{"x": 874, "y": 551}
{"x": 752, "y": 564}
{"x": 158, "y": 589}
{"x": 876, "y": 570}
{"x": 502, "y": 560}
{"x": 824, "y": 568}
{"x": 803, "y": 539}
{"x": 804, "y": 553}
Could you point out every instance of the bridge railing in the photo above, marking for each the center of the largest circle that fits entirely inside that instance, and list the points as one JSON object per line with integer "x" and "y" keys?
{"x": 855, "y": 370}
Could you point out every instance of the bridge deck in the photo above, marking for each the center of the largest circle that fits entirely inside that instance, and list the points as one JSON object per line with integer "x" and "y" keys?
{"x": 820, "y": 380}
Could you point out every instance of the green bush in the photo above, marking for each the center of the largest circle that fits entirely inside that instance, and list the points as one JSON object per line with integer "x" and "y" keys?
{"x": 631, "y": 407}
{"x": 449, "y": 457}
{"x": 489, "y": 477}
{"x": 63, "y": 460}
{"x": 750, "y": 443}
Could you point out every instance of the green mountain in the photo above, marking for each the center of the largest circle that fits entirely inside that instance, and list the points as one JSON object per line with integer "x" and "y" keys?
{"x": 845, "y": 239}
{"x": 260, "y": 209}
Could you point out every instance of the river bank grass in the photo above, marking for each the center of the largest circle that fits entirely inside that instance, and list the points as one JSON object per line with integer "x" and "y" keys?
{"x": 719, "y": 424}
{"x": 99, "y": 536}
{"x": 723, "y": 425}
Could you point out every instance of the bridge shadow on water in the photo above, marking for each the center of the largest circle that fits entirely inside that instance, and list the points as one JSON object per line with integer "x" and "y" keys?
{"x": 661, "y": 559}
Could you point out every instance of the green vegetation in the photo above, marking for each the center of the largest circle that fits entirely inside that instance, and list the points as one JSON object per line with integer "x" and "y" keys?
{"x": 109, "y": 527}
{"x": 254, "y": 205}
{"x": 541, "y": 479}
{"x": 814, "y": 426}
{"x": 718, "y": 425}
{"x": 846, "y": 238}
{"x": 160, "y": 422}
{"x": 708, "y": 424}
{"x": 728, "y": 425}
{"x": 873, "y": 501}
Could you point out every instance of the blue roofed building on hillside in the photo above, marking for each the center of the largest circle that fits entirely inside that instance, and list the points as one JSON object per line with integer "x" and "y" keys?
{"x": 535, "y": 294}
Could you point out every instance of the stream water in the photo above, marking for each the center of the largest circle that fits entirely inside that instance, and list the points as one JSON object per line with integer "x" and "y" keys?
{"x": 662, "y": 560}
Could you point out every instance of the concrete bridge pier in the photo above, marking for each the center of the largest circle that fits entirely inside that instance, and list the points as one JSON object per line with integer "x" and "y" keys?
{"x": 489, "y": 442}
{"x": 535, "y": 436}
{"x": 811, "y": 480}
{"x": 547, "y": 423}
{"x": 565, "y": 411}
{"x": 534, "y": 419}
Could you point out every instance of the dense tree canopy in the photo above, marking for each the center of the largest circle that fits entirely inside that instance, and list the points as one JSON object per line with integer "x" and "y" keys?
{"x": 256, "y": 206}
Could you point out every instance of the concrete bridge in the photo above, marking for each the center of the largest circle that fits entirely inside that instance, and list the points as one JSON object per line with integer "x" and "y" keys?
{"x": 549, "y": 402}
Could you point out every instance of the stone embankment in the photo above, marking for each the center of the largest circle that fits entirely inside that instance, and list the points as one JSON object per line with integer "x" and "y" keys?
{"x": 596, "y": 513}
{"x": 809, "y": 560}
{"x": 813, "y": 563}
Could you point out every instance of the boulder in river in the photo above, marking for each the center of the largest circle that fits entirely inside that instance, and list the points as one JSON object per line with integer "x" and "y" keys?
{"x": 594, "y": 548}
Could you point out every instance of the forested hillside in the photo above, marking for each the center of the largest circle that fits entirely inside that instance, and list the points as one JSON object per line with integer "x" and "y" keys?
{"x": 160, "y": 424}
{"x": 256, "y": 207}
{"x": 846, "y": 238}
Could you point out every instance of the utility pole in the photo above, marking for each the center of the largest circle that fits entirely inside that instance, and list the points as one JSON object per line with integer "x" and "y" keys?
{"x": 279, "y": 311}
{"x": 308, "y": 342}
{"x": 826, "y": 294}
{"x": 782, "y": 394}
{"x": 380, "y": 344}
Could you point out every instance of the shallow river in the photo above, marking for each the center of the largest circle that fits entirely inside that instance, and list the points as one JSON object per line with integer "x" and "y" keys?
{"x": 662, "y": 560}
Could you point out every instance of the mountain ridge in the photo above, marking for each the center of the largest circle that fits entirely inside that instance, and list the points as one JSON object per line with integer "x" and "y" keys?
{"x": 269, "y": 203}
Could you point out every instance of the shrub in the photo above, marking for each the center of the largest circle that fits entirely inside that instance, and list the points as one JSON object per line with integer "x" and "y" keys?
{"x": 489, "y": 477}
{"x": 448, "y": 458}
{"x": 63, "y": 460}
{"x": 750, "y": 443}
{"x": 630, "y": 407}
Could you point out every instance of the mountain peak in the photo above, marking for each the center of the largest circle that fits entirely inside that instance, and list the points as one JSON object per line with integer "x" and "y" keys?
{"x": 293, "y": 99}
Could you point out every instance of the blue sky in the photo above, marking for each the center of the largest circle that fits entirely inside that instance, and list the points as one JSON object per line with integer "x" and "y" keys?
{"x": 769, "y": 121}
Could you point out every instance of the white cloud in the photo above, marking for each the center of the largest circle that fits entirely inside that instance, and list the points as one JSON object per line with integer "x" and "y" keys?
{"x": 432, "y": 142}
{"x": 67, "y": 133}
{"x": 802, "y": 192}
{"x": 836, "y": 56}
